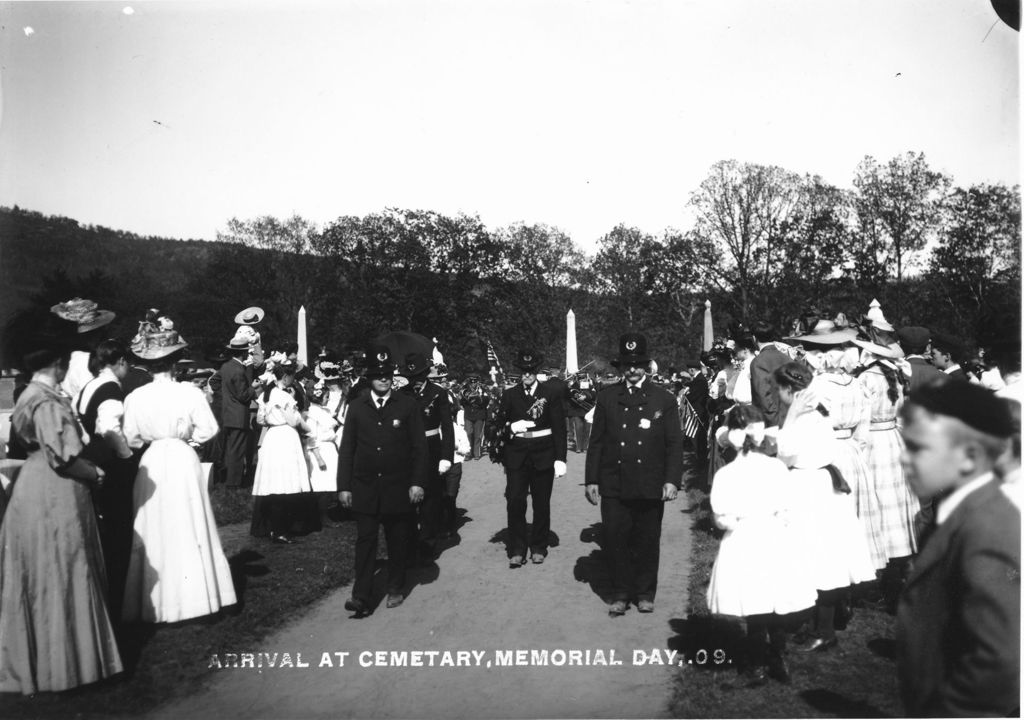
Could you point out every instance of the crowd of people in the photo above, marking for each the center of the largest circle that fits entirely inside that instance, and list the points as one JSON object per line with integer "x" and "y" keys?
{"x": 818, "y": 450}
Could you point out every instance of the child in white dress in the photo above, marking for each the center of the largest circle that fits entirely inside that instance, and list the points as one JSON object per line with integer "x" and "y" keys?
{"x": 759, "y": 573}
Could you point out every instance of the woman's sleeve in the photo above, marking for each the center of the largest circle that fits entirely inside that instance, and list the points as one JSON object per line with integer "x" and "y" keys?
{"x": 132, "y": 432}
{"x": 57, "y": 433}
{"x": 862, "y": 430}
{"x": 290, "y": 408}
{"x": 109, "y": 425}
{"x": 204, "y": 425}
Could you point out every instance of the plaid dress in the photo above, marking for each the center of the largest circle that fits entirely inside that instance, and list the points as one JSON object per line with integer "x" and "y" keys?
{"x": 887, "y": 505}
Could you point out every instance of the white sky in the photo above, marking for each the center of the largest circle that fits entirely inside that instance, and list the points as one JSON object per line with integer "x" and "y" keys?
{"x": 580, "y": 114}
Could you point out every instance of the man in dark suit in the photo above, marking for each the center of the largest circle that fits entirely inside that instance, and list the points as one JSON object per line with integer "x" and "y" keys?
{"x": 237, "y": 392}
{"x": 475, "y": 401}
{"x": 764, "y": 391}
{"x": 436, "y": 410}
{"x": 958, "y": 620}
{"x": 382, "y": 470}
{"x": 533, "y": 414}
{"x": 914, "y": 340}
{"x": 946, "y": 354}
{"x": 634, "y": 465}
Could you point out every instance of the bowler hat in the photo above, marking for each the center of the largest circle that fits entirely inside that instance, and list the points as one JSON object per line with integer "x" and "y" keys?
{"x": 632, "y": 350}
{"x": 528, "y": 360}
{"x": 379, "y": 362}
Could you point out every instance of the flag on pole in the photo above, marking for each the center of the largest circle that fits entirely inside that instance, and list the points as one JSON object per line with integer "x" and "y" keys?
{"x": 690, "y": 420}
{"x": 493, "y": 362}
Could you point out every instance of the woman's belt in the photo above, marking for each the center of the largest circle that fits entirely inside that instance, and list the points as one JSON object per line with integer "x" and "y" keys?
{"x": 883, "y": 425}
{"x": 535, "y": 433}
{"x": 842, "y": 433}
{"x": 432, "y": 433}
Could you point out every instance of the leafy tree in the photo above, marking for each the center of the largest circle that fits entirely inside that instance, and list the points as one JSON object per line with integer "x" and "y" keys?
{"x": 898, "y": 208}
{"x": 269, "y": 233}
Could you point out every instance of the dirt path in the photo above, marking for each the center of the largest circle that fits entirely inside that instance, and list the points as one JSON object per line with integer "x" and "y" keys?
{"x": 471, "y": 602}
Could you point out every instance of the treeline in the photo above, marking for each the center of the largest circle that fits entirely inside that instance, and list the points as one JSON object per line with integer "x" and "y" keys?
{"x": 764, "y": 243}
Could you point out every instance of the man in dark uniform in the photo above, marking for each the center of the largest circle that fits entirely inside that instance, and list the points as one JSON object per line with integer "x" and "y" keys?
{"x": 914, "y": 340}
{"x": 581, "y": 402}
{"x": 237, "y": 393}
{"x": 475, "y": 401}
{"x": 634, "y": 465}
{"x": 436, "y": 410}
{"x": 533, "y": 415}
{"x": 382, "y": 470}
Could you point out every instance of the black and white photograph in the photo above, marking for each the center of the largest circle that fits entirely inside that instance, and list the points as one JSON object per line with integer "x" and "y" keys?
{"x": 510, "y": 359}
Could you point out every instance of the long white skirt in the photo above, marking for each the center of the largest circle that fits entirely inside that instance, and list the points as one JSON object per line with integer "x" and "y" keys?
{"x": 281, "y": 469}
{"x": 324, "y": 480}
{"x": 177, "y": 569}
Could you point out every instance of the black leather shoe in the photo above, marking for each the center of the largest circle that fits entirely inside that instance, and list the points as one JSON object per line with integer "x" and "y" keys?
{"x": 779, "y": 669}
{"x": 395, "y": 599}
{"x": 617, "y": 608}
{"x": 358, "y": 607}
{"x": 820, "y": 645}
{"x": 645, "y": 606}
{"x": 516, "y": 561}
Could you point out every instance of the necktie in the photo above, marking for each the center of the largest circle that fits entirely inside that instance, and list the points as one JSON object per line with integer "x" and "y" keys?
{"x": 380, "y": 403}
{"x": 632, "y": 389}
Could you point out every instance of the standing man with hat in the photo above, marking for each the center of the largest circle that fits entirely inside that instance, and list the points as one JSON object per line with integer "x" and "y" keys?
{"x": 533, "y": 414}
{"x": 634, "y": 465}
{"x": 436, "y": 410}
{"x": 382, "y": 470}
{"x": 913, "y": 341}
{"x": 946, "y": 354}
{"x": 238, "y": 390}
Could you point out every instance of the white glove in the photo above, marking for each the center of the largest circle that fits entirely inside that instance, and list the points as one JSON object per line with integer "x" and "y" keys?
{"x": 559, "y": 468}
{"x": 443, "y": 467}
{"x": 521, "y": 426}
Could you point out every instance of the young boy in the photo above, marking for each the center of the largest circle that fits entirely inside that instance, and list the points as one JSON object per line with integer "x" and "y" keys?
{"x": 958, "y": 622}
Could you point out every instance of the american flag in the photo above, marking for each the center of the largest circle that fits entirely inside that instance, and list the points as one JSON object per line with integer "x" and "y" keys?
{"x": 492, "y": 359}
{"x": 691, "y": 422}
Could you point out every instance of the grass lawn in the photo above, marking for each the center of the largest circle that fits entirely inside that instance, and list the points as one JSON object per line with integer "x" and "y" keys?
{"x": 274, "y": 583}
{"x": 855, "y": 679}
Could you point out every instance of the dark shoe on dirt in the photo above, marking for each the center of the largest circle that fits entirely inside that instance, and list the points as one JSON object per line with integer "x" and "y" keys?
{"x": 516, "y": 561}
{"x": 617, "y": 608}
{"x": 395, "y": 599}
{"x": 820, "y": 645}
{"x": 358, "y": 607}
{"x": 645, "y": 606}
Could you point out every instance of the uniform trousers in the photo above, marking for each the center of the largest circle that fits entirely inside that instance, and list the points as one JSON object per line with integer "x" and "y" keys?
{"x": 538, "y": 484}
{"x": 396, "y": 533}
{"x": 632, "y": 531}
{"x": 236, "y": 448}
{"x": 475, "y": 432}
{"x": 579, "y": 431}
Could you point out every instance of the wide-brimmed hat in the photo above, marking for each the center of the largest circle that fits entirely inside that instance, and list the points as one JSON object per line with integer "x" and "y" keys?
{"x": 155, "y": 343}
{"x": 329, "y": 371}
{"x": 881, "y": 351}
{"x": 245, "y": 337}
{"x": 826, "y": 332}
{"x": 632, "y": 350}
{"x": 84, "y": 313}
{"x": 528, "y": 360}
{"x": 250, "y": 316}
{"x": 379, "y": 362}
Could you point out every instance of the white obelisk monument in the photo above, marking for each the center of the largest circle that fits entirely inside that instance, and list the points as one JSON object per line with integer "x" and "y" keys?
{"x": 303, "y": 358}
{"x": 572, "y": 364}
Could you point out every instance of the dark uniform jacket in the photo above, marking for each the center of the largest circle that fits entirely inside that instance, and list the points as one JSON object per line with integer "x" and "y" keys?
{"x": 543, "y": 451}
{"x": 958, "y": 622}
{"x": 922, "y": 373}
{"x": 475, "y": 401}
{"x": 383, "y": 453}
{"x": 436, "y": 407}
{"x": 237, "y": 393}
{"x": 636, "y": 445}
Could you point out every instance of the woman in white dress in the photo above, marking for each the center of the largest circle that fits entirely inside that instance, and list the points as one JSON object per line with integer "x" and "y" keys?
{"x": 760, "y": 573}
{"x": 836, "y": 548}
{"x": 281, "y": 471}
{"x": 321, "y": 452}
{"x": 177, "y": 569}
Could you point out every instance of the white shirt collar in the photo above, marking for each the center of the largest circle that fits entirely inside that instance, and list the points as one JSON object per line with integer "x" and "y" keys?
{"x": 375, "y": 397}
{"x": 951, "y": 502}
{"x": 952, "y": 369}
{"x": 530, "y": 390}
{"x": 639, "y": 385}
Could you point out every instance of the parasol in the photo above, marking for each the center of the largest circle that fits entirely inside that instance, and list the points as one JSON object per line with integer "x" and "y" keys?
{"x": 401, "y": 343}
